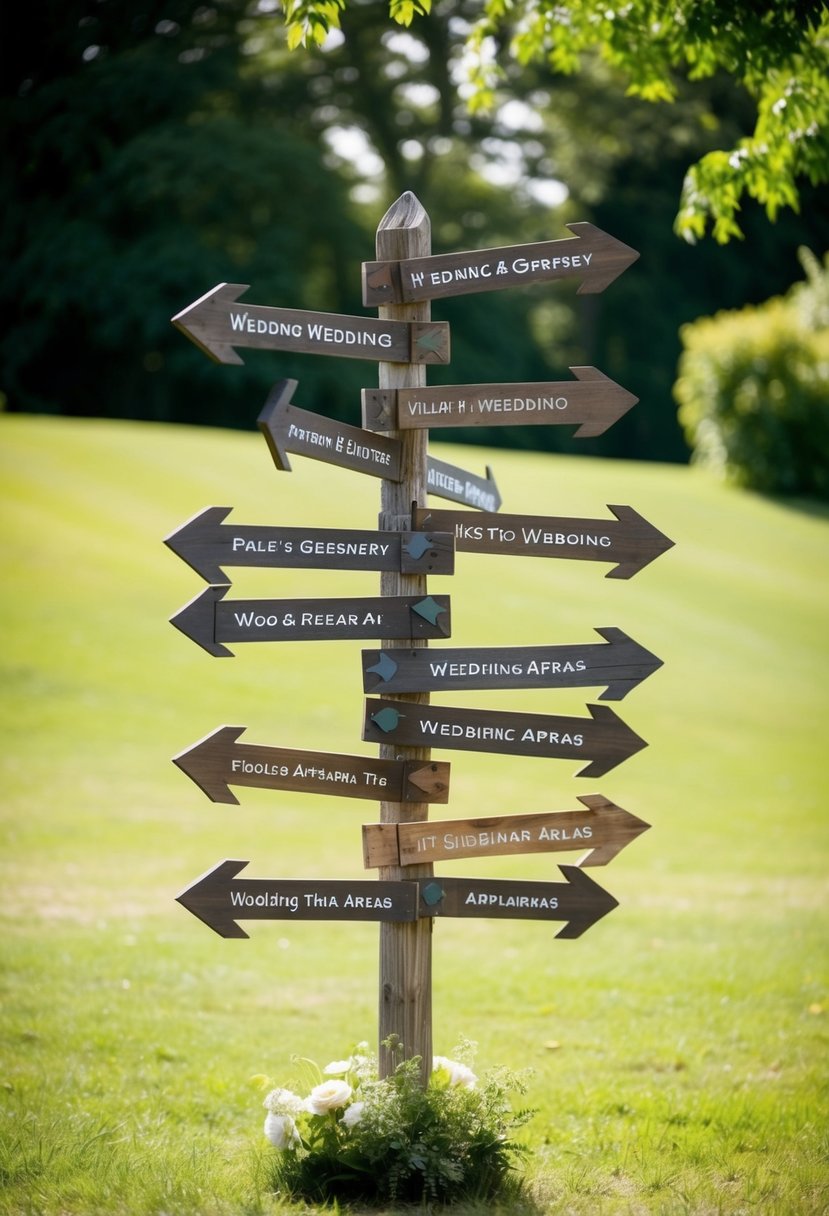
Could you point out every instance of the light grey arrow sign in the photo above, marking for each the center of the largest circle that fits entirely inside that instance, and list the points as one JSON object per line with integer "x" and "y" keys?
{"x": 618, "y": 662}
{"x": 217, "y": 323}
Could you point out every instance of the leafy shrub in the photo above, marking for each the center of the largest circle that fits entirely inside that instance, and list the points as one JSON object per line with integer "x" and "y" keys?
{"x": 355, "y": 1137}
{"x": 753, "y": 389}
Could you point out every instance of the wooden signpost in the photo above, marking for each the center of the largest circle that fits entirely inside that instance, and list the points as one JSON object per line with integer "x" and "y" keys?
{"x": 413, "y": 541}
{"x": 618, "y": 662}
{"x": 207, "y": 544}
{"x": 592, "y": 402}
{"x": 219, "y": 761}
{"x": 210, "y": 621}
{"x": 600, "y": 826}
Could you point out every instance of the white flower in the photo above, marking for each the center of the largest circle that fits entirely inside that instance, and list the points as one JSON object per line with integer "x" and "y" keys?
{"x": 337, "y": 1068}
{"x": 353, "y": 1114}
{"x": 452, "y": 1073}
{"x": 281, "y": 1131}
{"x": 283, "y": 1102}
{"x": 328, "y": 1096}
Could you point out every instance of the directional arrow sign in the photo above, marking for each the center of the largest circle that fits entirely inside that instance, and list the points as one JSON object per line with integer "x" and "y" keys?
{"x": 600, "y": 826}
{"x": 287, "y": 428}
{"x": 619, "y": 662}
{"x": 603, "y": 739}
{"x": 592, "y": 401}
{"x": 218, "y": 324}
{"x": 578, "y": 900}
{"x": 589, "y": 255}
{"x": 210, "y": 622}
{"x": 629, "y": 539}
{"x": 207, "y": 544}
{"x": 220, "y": 899}
{"x": 447, "y": 481}
{"x": 217, "y": 761}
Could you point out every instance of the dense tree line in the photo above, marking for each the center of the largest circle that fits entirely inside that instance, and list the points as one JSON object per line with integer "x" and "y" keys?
{"x": 155, "y": 150}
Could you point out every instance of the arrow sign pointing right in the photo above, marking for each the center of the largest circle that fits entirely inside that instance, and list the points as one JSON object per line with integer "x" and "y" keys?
{"x": 217, "y": 761}
{"x": 603, "y": 737}
{"x": 590, "y": 255}
{"x": 219, "y": 899}
{"x": 600, "y": 826}
{"x": 578, "y": 900}
{"x": 619, "y": 662}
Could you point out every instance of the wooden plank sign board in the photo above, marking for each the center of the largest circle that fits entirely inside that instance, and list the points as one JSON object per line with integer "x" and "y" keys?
{"x": 600, "y": 826}
{"x": 618, "y": 662}
{"x": 603, "y": 739}
{"x": 448, "y": 481}
{"x": 628, "y": 539}
{"x": 207, "y": 544}
{"x": 578, "y": 900}
{"x": 218, "y": 761}
{"x": 219, "y": 899}
{"x": 210, "y": 622}
{"x": 217, "y": 324}
{"x": 590, "y": 255}
{"x": 592, "y": 402}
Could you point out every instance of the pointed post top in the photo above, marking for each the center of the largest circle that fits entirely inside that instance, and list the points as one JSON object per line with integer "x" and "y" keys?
{"x": 406, "y": 212}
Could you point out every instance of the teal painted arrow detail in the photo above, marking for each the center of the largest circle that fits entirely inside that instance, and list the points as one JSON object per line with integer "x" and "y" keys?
{"x": 429, "y": 609}
{"x": 387, "y": 719}
{"x": 432, "y": 894}
{"x": 418, "y": 545}
{"x": 385, "y": 667}
{"x": 433, "y": 341}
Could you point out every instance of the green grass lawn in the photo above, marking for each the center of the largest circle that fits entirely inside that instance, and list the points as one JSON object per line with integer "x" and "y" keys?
{"x": 678, "y": 1049}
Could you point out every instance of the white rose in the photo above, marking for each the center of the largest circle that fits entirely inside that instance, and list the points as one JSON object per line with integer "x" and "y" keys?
{"x": 328, "y": 1096}
{"x": 458, "y": 1074}
{"x": 337, "y": 1068}
{"x": 281, "y": 1131}
{"x": 353, "y": 1114}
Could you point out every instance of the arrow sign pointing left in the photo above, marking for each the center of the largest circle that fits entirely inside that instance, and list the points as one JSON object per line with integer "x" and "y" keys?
{"x": 603, "y": 739}
{"x": 207, "y": 544}
{"x": 217, "y": 324}
{"x": 219, "y": 761}
{"x": 578, "y": 900}
{"x": 210, "y": 622}
{"x": 219, "y": 899}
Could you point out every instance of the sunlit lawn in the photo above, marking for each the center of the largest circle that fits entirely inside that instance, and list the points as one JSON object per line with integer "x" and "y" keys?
{"x": 678, "y": 1049}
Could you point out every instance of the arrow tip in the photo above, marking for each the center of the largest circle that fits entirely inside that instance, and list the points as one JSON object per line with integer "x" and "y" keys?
{"x": 208, "y": 899}
{"x": 273, "y": 422}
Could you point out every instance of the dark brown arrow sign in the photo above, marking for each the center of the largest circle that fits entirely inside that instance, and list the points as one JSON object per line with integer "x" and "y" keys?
{"x": 218, "y": 761}
{"x": 603, "y": 739}
{"x": 210, "y": 622}
{"x": 629, "y": 539}
{"x": 619, "y": 662}
{"x": 217, "y": 324}
{"x": 207, "y": 544}
{"x": 578, "y": 900}
{"x": 590, "y": 255}
{"x": 287, "y": 428}
{"x": 592, "y": 401}
{"x": 220, "y": 899}
{"x": 603, "y": 828}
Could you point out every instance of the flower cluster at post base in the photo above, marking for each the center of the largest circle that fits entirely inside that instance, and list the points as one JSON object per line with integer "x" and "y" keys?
{"x": 355, "y": 1136}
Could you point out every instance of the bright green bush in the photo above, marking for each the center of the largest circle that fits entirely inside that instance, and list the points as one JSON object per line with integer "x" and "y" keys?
{"x": 753, "y": 389}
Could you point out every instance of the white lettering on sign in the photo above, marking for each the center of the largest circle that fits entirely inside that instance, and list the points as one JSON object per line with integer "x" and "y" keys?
{"x": 258, "y": 767}
{"x": 459, "y": 670}
{"x": 545, "y": 667}
{"x": 455, "y": 730}
{"x": 485, "y": 899}
{"x": 239, "y": 544}
{"x": 313, "y": 773}
{"x": 267, "y": 899}
{"x": 243, "y": 322}
{"x": 518, "y": 405}
{"x": 483, "y": 840}
{"x": 537, "y": 536}
{"x": 347, "y": 337}
{"x": 547, "y": 265}
{"x": 367, "y": 901}
{"x": 531, "y": 735}
{"x": 314, "y": 438}
{"x": 344, "y": 548}
{"x": 582, "y": 833}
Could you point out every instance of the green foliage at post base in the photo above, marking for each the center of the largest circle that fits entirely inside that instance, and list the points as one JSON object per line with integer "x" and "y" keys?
{"x": 753, "y": 388}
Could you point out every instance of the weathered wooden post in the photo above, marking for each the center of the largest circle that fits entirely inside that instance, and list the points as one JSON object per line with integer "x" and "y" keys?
{"x": 405, "y": 990}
